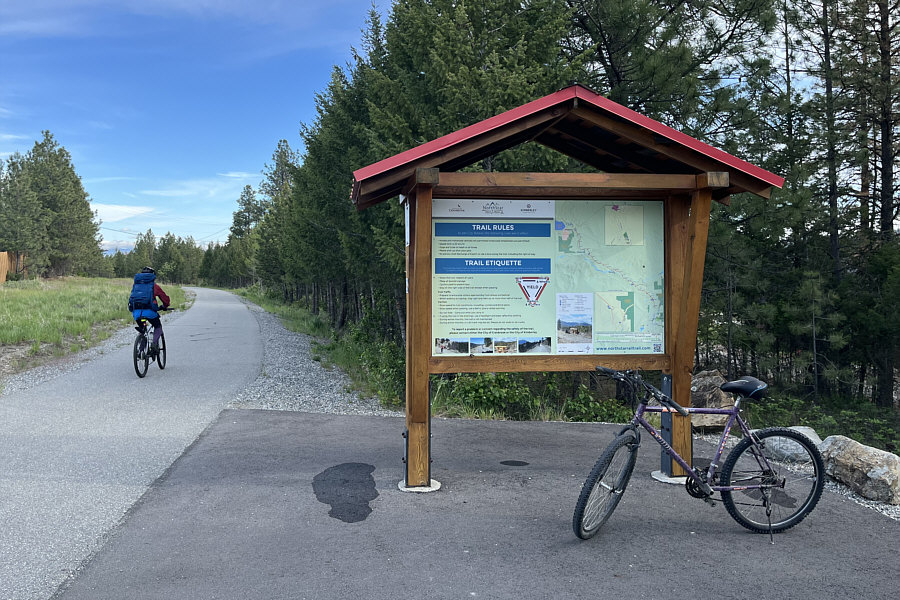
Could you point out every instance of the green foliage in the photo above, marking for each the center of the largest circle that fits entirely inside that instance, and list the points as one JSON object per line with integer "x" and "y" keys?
{"x": 585, "y": 407}
{"x": 538, "y": 396}
{"x": 858, "y": 420}
{"x": 45, "y": 212}
{"x": 176, "y": 260}
{"x": 293, "y": 316}
{"x": 492, "y": 395}
{"x": 384, "y": 362}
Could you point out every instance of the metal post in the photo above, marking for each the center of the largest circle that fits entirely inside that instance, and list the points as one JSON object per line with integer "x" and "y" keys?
{"x": 665, "y": 464}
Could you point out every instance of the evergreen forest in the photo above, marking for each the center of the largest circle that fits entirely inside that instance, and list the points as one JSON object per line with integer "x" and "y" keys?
{"x": 800, "y": 289}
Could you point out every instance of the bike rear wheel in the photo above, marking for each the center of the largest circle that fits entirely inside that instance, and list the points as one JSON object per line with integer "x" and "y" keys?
{"x": 161, "y": 352}
{"x": 605, "y": 485}
{"x": 141, "y": 355}
{"x": 792, "y": 476}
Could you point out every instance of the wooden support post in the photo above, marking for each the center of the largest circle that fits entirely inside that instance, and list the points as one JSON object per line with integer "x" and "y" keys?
{"x": 418, "y": 330}
{"x": 678, "y": 210}
{"x": 688, "y": 318}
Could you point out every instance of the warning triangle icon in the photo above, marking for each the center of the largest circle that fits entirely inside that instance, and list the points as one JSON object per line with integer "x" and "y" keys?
{"x": 532, "y": 287}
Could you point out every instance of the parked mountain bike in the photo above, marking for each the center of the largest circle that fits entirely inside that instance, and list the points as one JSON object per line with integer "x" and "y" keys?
{"x": 143, "y": 352}
{"x": 770, "y": 481}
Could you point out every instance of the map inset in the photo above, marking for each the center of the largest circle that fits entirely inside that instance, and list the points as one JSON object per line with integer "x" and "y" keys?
{"x": 615, "y": 250}
{"x": 614, "y": 312}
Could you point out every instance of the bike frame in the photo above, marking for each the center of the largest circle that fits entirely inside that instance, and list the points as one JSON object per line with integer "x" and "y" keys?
{"x": 733, "y": 417}
{"x": 146, "y": 327}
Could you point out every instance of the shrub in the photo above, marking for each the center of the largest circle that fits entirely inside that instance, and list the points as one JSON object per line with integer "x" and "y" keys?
{"x": 584, "y": 407}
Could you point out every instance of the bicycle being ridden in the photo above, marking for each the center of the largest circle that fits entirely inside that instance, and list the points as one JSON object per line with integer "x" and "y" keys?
{"x": 146, "y": 351}
{"x": 770, "y": 481}
{"x": 145, "y": 310}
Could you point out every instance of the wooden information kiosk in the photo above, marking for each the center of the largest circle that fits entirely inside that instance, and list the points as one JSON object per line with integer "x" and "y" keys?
{"x": 516, "y": 272}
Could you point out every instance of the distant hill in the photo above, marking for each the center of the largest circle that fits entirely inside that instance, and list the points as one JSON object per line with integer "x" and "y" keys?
{"x": 575, "y": 323}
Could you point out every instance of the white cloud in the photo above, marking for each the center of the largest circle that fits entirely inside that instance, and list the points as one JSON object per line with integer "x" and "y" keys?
{"x": 110, "y": 213}
{"x": 225, "y": 187}
{"x": 238, "y": 175}
{"x": 12, "y": 137}
{"x": 111, "y": 179}
{"x": 11, "y": 141}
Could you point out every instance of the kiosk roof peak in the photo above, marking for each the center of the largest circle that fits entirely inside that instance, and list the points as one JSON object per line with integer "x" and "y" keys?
{"x": 574, "y": 121}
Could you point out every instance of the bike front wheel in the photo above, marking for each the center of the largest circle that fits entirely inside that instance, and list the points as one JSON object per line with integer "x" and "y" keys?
{"x": 161, "y": 353}
{"x": 141, "y": 355}
{"x": 605, "y": 485}
{"x": 787, "y": 475}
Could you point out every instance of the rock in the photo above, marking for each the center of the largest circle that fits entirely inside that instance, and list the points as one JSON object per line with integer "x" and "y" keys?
{"x": 705, "y": 393}
{"x": 870, "y": 472}
{"x": 787, "y": 450}
{"x": 808, "y": 432}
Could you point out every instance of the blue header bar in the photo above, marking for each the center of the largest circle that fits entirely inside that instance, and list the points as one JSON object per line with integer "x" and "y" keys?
{"x": 490, "y": 266}
{"x": 481, "y": 229}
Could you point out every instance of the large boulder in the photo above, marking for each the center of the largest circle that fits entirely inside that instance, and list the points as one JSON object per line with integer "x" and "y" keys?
{"x": 870, "y": 472}
{"x": 706, "y": 393}
{"x": 788, "y": 450}
{"x": 808, "y": 432}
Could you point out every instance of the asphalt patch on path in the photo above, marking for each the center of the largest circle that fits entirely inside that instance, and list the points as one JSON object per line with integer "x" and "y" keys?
{"x": 348, "y": 488}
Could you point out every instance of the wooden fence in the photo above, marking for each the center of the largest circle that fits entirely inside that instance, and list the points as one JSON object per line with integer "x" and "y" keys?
{"x": 12, "y": 261}
{"x": 4, "y": 265}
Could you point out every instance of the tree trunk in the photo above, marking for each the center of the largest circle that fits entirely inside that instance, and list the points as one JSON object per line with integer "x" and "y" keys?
{"x": 831, "y": 143}
{"x": 886, "y": 124}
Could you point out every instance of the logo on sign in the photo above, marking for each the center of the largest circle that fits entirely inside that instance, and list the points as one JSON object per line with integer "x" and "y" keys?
{"x": 492, "y": 208}
{"x": 532, "y": 287}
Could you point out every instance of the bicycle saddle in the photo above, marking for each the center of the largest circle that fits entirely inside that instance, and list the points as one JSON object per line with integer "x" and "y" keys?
{"x": 746, "y": 386}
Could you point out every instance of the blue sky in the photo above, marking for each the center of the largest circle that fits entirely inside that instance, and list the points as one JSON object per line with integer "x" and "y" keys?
{"x": 168, "y": 107}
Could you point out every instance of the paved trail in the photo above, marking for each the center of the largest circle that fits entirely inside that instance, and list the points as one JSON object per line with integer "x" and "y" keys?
{"x": 77, "y": 451}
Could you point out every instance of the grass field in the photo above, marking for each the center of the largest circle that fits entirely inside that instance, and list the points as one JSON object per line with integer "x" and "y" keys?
{"x": 69, "y": 313}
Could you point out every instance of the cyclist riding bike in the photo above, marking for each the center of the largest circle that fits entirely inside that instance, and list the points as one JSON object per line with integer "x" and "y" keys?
{"x": 143, "y": 305}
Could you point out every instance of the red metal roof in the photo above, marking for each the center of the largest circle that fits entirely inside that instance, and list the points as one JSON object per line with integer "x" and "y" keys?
{"x": 575, "y": 121}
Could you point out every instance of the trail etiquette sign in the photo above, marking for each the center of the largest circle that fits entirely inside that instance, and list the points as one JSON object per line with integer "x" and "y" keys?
{"x": 598, "y": 265}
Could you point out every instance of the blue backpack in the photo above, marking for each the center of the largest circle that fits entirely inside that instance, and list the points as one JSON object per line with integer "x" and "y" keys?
{"x": 142, "y": 292}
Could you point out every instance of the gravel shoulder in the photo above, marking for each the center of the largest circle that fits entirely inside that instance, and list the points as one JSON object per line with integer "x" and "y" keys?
{"x": 292, "y": 380}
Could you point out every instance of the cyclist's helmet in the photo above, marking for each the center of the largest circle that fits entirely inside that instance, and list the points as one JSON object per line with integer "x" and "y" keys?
{"x": 148, "y": 270}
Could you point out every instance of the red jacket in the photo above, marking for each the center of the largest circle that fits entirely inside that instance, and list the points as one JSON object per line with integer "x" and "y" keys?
{"x": 159, "y": 293}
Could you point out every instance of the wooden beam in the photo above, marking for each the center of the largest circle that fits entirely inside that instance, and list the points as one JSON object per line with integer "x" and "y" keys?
{"x": 713, "y": 180}
{"x": 423, "y": 176}
{"x": 677, "y": 152}
{"x": 618, "y": 181}
{"x": 538, "y": 363}
{"x": 562, "y": 185}
{"x": 529, "y": 193}
{"x": 390, "y": 183}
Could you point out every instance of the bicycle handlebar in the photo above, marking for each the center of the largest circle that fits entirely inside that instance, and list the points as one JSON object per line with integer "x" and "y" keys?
{"x": 634, "y": 378}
